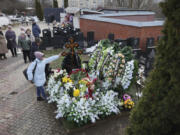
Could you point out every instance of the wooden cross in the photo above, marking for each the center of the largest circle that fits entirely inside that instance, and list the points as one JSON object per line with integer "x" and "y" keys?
{"x": 72, "y": 46}
{"x": 71, "y": 59}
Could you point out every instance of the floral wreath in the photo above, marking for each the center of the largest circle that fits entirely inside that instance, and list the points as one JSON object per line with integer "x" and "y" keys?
{"x": 95, "y": 58}
{"x": 110, "y": 66}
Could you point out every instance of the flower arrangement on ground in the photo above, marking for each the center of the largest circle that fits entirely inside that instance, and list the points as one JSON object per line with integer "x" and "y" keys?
{"x": 78, "y": 100}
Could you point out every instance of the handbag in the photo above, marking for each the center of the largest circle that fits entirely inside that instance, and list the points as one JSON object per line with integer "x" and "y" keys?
{"x": 25, "y": 72}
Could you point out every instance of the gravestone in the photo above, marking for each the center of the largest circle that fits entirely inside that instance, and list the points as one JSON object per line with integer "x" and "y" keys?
{"x": 71, "y": 60}
{"x": 122, "y": 43}
{"x": 58, "y": 41}
{"x": 135, "y": 43}
{"x": 111, "y": 36}
{"x": 150, "y": 60}
{"x": 90, "y": 38}
{"x": 46, "y": 33}
{"x": 46, "y": 40}
{"x": 80, "y": 39}
{"x": 149, "y": 42}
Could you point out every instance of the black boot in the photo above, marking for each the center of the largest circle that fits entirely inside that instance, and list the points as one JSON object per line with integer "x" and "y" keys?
{"x": 40, "y": 99}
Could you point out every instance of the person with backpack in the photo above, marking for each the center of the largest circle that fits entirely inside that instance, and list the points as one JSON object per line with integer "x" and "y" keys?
{"x": 39, "y": 77}
{"x": 35, "y": 47}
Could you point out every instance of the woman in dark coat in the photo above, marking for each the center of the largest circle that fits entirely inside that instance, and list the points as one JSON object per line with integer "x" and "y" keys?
{"x": 3, "y": 47}
{"x": 11, "y": 41}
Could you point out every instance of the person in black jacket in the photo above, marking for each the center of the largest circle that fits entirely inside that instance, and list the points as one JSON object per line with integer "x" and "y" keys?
{"x": 34, "y": 48}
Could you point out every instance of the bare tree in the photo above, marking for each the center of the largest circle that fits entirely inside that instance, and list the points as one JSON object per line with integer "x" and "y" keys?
{"x": 46, "y": 3}
{"x": 138, "y": 4}
{"x": 131, "y": 3}
{"x": 10, "y": 6}
{"x": 122, "y": 3}
{"x": 141, "y": 4}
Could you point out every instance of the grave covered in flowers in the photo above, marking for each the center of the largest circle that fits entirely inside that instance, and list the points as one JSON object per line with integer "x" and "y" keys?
{"x": 97, "y": 91}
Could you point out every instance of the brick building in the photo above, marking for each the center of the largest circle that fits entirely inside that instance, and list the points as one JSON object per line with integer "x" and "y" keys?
{"x": 138, "y": 24}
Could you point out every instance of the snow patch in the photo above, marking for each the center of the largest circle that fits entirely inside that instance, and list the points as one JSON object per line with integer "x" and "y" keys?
{"x": 91, "y": 49}
{"x": 4, "y": 21}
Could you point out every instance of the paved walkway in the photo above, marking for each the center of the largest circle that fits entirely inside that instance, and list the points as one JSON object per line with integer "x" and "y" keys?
{"x": 20, "y": 113}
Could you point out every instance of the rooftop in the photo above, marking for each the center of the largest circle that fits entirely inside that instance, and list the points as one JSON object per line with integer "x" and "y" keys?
{"x": 102, "y": 18}
{"x": 119, "y": 9}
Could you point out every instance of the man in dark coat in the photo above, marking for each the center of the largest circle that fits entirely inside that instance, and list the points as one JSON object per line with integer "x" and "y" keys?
{"x": 11, "y": 41}
{"x": 35, "y": 29}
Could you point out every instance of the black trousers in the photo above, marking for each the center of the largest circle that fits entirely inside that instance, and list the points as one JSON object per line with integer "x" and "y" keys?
{"x": 13, "y": 51}
{"x": 25, "y": 55}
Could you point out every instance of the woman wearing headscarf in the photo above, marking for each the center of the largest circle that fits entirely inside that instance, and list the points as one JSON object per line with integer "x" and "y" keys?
{"x": 39, "y": 77}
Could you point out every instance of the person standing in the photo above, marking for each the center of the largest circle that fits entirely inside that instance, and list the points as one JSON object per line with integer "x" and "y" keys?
{"x": 35, "y": 47}
{"x": 71, "y": 19}
{"x": 25, "y": 44}
{"x": 22, "y": 30}
{"x": 39, "y": 78}
{"x": 3, "y": 47}
{"x": 35, "y": 29}
{"x": 11, "y": 41}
